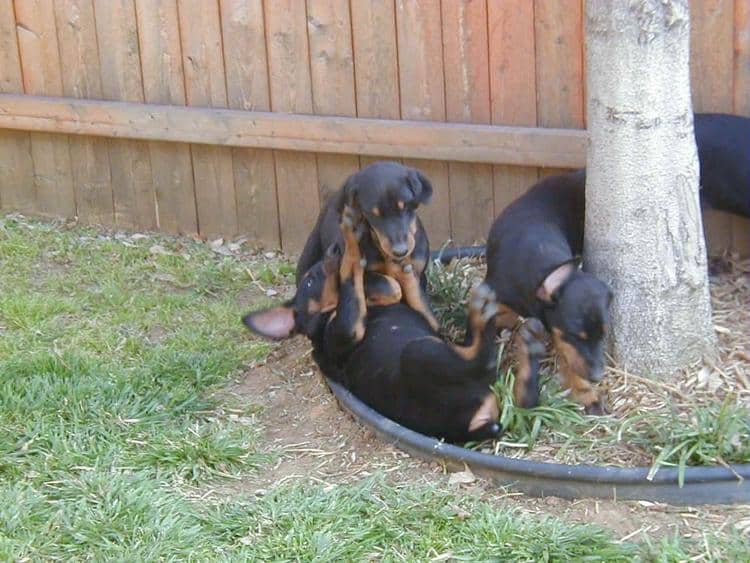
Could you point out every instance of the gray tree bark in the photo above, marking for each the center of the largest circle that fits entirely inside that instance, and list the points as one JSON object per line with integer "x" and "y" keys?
{"x": 644, "y": 233}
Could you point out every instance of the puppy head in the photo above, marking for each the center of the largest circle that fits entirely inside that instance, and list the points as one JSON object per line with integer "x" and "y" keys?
{"x": 388, "y": 195}
{"x": 578, "y": 314}
{"x": 317, "y": 295}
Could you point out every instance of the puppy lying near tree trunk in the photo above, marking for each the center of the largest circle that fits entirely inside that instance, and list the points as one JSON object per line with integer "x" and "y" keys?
{"x": 386, "y": 353}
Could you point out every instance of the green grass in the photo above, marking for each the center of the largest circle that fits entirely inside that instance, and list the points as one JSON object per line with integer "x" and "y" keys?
{"x": 702, "y": 434}
{"x": 109, "y": 353}
{"x": 111, "y": 433}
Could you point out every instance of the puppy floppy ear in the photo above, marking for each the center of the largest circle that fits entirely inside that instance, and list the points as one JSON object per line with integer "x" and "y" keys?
{"x": 419, "y": 185}
{"x": 349, "y": 198}
{"x": 276, "y": 323}
{"x": 547, "y": 291}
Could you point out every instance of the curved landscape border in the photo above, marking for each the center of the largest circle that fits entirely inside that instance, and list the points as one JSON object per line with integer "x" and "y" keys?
{"x": 702, "y": 485}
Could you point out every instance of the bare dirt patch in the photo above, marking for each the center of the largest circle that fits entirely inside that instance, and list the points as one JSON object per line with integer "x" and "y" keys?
{"x": 315, "y": 441}
{"x": 318, "y": 442}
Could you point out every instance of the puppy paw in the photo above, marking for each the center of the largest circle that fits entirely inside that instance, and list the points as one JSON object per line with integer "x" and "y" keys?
{"x": 483, "y": 303}
{"x": 532, "y": 334}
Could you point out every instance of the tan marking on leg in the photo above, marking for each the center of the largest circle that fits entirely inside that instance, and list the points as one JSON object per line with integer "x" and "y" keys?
{"x": 573, "y": 370}
{"x": 412, "y": 293}
{"x": 488, "y": 411}
{"x": 506, "y": 317}
{"x": 351, "y": 268}
{"x": 523, "y": 371}
{"x": 477, "y": 325}
{"x": 329, "y": 298}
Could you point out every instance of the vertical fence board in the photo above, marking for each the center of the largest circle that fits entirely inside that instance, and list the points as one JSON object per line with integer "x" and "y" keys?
{"x": 332, "y": 68}
{"x": 740, "y": 225}
{"x": 130, "y": 161}
{"x": 420, "y": 64}
{"x": 291, "y": 91}
{"x": 16, "y": 166}
{"x": 558, "y": 31}
{"x": 81, "y": 78}
{"x": 375, "y": 61}
{"x": 467, "y": 100}
{"x": 163, "y": 83}
{"x": 205, "y": 85}
{"x": 711, "y": 70}
{"x": 512, "y": 87}
{"x": 247, "y": 88}
{"x": 40, "y": 64}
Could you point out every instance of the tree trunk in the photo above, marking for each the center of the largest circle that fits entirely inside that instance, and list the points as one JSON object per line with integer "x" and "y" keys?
{"x": 644, "y": 233}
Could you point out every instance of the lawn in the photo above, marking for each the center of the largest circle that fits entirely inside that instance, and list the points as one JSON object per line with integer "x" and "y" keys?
{"x": 113, "y": 352}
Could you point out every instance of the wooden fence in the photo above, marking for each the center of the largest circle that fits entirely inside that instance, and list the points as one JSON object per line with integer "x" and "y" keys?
{"x": 234, "y": 162}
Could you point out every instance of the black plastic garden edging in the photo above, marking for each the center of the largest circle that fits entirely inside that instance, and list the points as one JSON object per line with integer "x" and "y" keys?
{"x": 702, "y": 485}
{"x": 449, "y": 253}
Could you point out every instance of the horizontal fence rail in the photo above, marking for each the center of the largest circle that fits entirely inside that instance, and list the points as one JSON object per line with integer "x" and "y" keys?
{"x": 524, "y": 146}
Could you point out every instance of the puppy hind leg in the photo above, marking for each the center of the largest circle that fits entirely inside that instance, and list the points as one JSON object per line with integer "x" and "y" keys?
{"x": 528, "y": 346}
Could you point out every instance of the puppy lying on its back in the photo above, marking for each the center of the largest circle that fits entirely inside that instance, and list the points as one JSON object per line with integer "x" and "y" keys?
{"x": 394, "y": 243}
{"x": 391, "y": 359}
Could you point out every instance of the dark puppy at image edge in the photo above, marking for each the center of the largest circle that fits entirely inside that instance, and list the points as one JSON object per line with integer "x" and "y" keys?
{"x": 388, "y": 355}
{"x": 724, "y": 154}
{"x": 533, "y": 269}
{"x": 394, "y": 242}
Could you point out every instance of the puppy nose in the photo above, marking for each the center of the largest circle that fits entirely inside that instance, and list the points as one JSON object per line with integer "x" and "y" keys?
{"x": 400, "y": 249}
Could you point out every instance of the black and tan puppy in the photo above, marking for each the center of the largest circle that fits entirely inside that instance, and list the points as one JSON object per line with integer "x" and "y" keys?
{"x": 389, "y": 356}
{"x": 532, "y": 267}
{"x": 387, "y": 195}
{"x": 724, "y": 154}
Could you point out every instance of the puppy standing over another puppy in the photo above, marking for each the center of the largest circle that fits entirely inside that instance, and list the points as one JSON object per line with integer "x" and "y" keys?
{"x": 391, "y": 359}
{"x": 394, "y": 242}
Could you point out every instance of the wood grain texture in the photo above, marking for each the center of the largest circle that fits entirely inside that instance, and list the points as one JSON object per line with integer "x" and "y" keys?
{"x": 375, "y": 63}
{"x": 17, "y": 191}
{"x": 332, "y": 67}
{"x": 291, "y": 91}
{"x": 711, "y": 69}
{"x": 133, "y": 193}
{"x": 247, "y": 89}
{"x": 740, "y": 226}
{"x": 467, "y": 97}
{"x": 42, "y": 75}
{"x": 513, "y": 87}
{"x": 163, "y": 83}
{"x": 205, "y": 86}
{"x": 375, "y": 59}
{"x": 420, "y": 63}
{"x": 340, "y": 135}
{"x": 79, "y": 53}
{"x": 558, "y": 36}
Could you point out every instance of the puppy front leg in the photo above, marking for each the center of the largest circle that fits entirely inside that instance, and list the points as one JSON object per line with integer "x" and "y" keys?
{"x": 352, "y": 307}
{"x": 571, "y": 367}
{"x": 407, "y": 276}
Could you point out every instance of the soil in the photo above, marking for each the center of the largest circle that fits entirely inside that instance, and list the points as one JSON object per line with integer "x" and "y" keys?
{"x": 320, "y": 443}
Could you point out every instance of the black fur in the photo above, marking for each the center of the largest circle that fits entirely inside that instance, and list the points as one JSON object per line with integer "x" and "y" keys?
{"x": 400, "y": 367}
{"x": 724, "y": 153}
{"x": 535, "y": 235}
